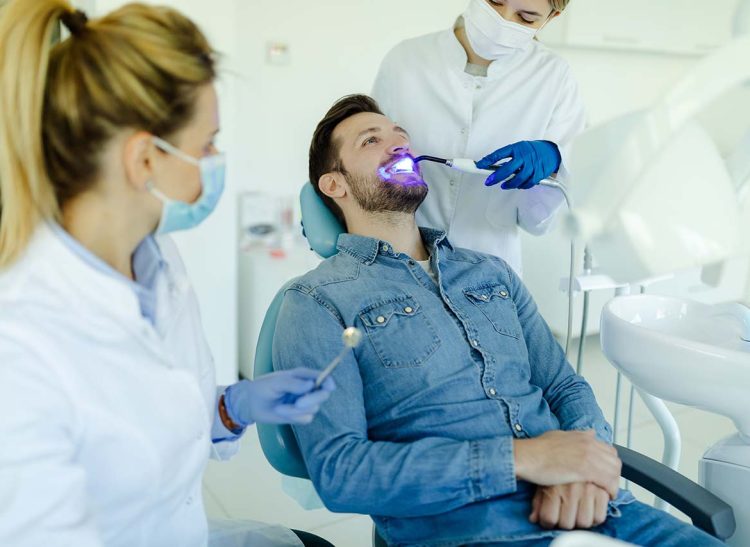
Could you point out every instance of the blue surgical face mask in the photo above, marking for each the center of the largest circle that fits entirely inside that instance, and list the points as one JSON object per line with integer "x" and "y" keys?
{"x": 179, "y": 215}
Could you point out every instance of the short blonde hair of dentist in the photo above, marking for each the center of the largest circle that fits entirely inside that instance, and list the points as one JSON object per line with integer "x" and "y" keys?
{"x": 139, "y": 67}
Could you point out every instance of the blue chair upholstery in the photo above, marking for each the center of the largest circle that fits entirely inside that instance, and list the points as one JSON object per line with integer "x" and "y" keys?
{"x": 277, "y": 441}
{"x": 280, "y": 447}
{"x": 322, "y": 230}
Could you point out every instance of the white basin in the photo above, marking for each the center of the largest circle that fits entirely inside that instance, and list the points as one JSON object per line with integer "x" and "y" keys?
{"x": 682, "y": 351}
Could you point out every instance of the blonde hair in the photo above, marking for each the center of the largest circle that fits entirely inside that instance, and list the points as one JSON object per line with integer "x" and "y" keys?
{"x": 559, "y": 5}
{"x": 140, "y": 67}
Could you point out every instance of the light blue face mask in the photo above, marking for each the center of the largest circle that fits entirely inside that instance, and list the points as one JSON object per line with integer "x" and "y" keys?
{"x": 179, "y": 215}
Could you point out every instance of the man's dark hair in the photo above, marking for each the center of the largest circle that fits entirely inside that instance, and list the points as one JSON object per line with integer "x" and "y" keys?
{"x": 324, "y": 150}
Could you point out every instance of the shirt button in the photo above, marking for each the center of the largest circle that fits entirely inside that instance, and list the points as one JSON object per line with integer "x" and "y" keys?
{"x": 484, "y": 297}
{"x": 493, "y": 391}
{"x": 412, "y": 263}
{"x": 380, "y": 319}
{"x": 190, "y": 500}
{"x": 408, "y": 309}
{"x": 386, "y": 248}
{"x": 475, "y": 343}
{"x": 518, "y": 427}
{"x": 463, "y": 131}
{"x": 452, "y": 182}
{"x": 504, "y": 294}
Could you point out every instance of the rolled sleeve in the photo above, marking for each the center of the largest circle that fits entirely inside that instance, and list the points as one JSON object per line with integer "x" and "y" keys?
{"x": 538, "y": 207}
{"x": 493, "y": 468}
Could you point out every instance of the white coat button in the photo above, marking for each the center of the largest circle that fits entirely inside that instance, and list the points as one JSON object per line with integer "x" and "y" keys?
{"x": 518, "y": 427}
{"x": 463, "y": 131}
{"x": 380, "y": 319}
{"x": 408, "y": 309}
{"x": 493, "y": 391}
{"x": 190, "y": 500}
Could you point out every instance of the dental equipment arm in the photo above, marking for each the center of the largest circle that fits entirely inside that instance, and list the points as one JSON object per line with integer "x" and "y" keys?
{"x": 646, "y": 211}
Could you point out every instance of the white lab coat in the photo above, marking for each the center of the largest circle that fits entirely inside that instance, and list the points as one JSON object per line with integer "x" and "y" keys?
{"x": 527, "y": 95}
{"x": 105, "y": 420}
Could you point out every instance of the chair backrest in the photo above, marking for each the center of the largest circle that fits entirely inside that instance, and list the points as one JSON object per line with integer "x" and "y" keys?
{"x": 322, "y": 230}
{"x": 277, "y": 441}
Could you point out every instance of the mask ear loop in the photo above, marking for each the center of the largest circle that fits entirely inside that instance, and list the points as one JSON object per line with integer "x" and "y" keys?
{"x": 549, "y": 18}
{"x": 170, "y": 149}
{"x": 151, "y": 187}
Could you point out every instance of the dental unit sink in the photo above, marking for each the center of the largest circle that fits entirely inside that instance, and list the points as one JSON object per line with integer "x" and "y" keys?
{"x": 683, "y": 351}
{"x": 697, "y": 355}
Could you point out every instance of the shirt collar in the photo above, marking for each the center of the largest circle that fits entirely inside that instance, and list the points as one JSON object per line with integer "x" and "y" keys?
{"x": 367, "y": 249}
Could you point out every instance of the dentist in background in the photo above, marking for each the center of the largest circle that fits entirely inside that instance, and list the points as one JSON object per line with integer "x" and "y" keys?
{"x": 486, "y": 89}
{"x": 107, "y": 388}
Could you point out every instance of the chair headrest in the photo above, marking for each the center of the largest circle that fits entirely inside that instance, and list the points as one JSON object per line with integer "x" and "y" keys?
{"x": 322, "y": 228}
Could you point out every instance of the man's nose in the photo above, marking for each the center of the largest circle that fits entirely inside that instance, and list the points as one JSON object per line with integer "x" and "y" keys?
{"x": 398, "y": 148}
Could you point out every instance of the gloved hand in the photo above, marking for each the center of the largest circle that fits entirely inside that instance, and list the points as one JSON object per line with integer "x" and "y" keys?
{"x": 284, "y": 397}
{"x": 533, "y": 161}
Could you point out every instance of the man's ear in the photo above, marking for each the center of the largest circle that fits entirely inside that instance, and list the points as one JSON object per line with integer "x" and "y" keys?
{"x": 333, "y": 185}
{"x": 137, "y": 155}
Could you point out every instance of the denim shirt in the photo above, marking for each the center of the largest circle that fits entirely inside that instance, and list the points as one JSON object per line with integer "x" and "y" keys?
{"x": 419, "y": 433}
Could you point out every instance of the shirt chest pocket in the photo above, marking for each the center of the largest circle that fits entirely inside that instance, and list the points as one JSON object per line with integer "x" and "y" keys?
{"x": 400, "y": 332}
{"x": 496, "y": 304}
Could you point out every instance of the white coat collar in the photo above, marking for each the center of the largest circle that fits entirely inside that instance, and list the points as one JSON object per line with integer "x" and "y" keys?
{"x": 456, "y": 59}
{"x": 50, "y": 262}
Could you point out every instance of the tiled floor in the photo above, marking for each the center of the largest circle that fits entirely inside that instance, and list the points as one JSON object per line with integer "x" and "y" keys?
{"x": 247, "y": 487}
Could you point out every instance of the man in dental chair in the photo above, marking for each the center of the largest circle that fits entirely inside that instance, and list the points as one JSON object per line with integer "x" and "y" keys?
{"x": 457, "y": 420}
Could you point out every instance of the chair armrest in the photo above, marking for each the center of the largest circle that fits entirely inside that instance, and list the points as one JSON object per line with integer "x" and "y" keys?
{"x": 707, "y": 511}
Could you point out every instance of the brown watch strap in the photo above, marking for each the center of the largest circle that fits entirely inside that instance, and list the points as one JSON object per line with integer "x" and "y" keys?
{"x": 225, "y": 419}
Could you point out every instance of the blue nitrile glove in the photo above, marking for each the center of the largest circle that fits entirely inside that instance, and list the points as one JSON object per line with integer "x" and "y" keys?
{"x": 284, "y": 397}
{"x": 533, "y": 161}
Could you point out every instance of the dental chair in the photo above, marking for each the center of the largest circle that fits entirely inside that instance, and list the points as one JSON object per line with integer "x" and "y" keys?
{"x": 706, "y": 511}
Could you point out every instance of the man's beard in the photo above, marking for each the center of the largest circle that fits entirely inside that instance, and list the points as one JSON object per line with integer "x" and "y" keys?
{"x": 376, "y": 196}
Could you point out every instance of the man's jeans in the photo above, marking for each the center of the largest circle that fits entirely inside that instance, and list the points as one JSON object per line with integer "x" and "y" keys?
{"x": 641, "y": 524}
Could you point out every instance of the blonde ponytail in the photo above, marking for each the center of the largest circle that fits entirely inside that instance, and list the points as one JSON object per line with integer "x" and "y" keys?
{"x": 26, "y": 193}
{"x": 140, "y": 67}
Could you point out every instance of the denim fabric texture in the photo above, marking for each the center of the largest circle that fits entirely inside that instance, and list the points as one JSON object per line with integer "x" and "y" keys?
{"x": 419, "y": 432}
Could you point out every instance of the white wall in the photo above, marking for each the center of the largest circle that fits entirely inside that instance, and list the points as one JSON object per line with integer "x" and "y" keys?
{"x": 269, "y": 112}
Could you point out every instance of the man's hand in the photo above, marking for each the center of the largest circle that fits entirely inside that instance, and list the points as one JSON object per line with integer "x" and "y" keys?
{"x": 568, "y": 506}
{"x": 566, "y": 457}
